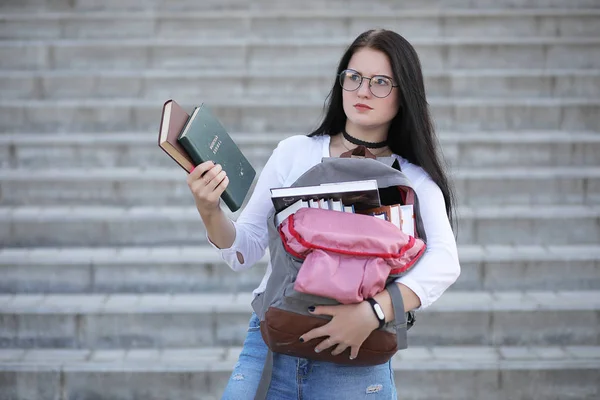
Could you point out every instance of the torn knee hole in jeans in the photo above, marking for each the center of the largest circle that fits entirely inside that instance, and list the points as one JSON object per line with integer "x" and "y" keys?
{"x": 374, "y": 389}
{"x": 238, "y": 377}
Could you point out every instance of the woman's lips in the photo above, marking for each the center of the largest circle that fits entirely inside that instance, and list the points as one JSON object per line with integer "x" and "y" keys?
{"x": 362, "y": 107}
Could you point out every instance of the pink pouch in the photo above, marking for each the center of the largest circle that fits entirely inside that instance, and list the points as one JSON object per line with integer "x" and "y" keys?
{"x": 347, "y": 257}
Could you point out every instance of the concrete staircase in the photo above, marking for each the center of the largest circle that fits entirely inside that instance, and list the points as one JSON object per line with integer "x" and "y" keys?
{"x": 108, "y": 288}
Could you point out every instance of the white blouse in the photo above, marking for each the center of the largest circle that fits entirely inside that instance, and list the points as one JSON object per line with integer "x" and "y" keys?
{"x": 437, "y": 269}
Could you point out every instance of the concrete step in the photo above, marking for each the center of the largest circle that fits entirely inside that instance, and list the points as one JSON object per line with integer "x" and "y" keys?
{"x": 198, "y": 268}
{"x": 298, "y": 24}
{"x": 258, "y": 115}
{"x": 420, "y": 373}
{"x": 167, "y": 186}
{"x": 308, "y": 85}
{"x": 147, "y": 226}
{"x": 126, "y": 150}
{"x": 286, "y": 5}
{"x": 113, "y": 321}
{"x": 471, "y": 52}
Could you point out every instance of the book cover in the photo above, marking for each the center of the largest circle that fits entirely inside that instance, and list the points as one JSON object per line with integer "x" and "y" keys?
{"x": 205, "y": 139}
{"x": 360, "y": 194}
{"x": 392, "y": 214}
{"x": 172, "y": 121}
{"x": 408, "y": 219}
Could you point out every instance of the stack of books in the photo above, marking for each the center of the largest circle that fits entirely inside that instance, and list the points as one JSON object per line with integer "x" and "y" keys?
{"x": 193, "y": 139}
{"x": 360, "y": 197}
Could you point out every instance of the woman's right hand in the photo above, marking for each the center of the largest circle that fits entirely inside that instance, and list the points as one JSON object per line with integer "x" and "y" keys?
{"x": 207, "y": 182}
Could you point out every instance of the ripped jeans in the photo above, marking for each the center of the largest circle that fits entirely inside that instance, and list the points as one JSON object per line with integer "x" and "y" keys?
{"x": 302, "y": 379}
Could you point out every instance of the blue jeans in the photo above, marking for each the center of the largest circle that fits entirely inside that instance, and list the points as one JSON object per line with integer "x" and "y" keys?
{"x": 302, "y": 379}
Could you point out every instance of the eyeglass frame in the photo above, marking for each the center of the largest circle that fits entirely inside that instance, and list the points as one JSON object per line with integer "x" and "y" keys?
{"x": 362, "y": 78}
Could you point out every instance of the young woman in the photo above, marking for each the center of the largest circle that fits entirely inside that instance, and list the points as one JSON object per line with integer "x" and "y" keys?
{"x": 378, "y": 100}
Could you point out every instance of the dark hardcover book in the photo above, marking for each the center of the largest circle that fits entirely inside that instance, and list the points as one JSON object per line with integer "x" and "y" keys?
{"x": 360, "y": 194}
{"x": 204, "y": 139}
{"x": 173, "y": 119}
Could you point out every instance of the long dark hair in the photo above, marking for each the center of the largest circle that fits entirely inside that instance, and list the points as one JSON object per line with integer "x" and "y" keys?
{"x": 411, "y": 134}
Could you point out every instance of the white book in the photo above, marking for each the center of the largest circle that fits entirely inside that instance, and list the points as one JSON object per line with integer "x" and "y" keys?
{"x": 408, "y": 219}
{"x": 396, "y": 216}
{"x": 313, "y": 203}
{"x": 324, "y": 204}
{"x": 349, "y": 209}
{"x": 282, "y": 215}
{"x": 365, "y": 193}
{"x": 336, "y": 205}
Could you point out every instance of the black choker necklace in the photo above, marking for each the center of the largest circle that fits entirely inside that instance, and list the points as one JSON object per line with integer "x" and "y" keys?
{"x": 358, "y": 142}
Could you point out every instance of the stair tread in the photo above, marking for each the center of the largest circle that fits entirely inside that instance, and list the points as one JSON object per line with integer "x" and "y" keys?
{"x": 205, "y": 253}
{"x": 175, "y": 174}
{"x": 272, "y": 138}
{"x": 87, "y": 212}
{"x": 222, "y": 304}
{"x": 317, "y": 41}
{"x": 307, "y": 73}
{"x": 223, "y": 358}
{"x": 265, "y": 103}
{"x": 299, "y": 13}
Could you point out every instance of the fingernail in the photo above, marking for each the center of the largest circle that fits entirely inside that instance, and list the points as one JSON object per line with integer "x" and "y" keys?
{"x": 192, "y": 170}
{"x": 311, "y": 308}
{"x": 317, "y": 351}
{"x": 301, "y": 340}
{"x": 352, "y": 358}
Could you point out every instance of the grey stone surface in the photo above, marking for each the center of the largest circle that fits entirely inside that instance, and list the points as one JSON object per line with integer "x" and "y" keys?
{"x": 147, "y": 226}
{"x": 131, "y": 151}
{"x": 161, "y": 321}
{"x": 30, "y": 385}
{"x": 419, "y": 375}
{"x": 131, "y": 385}
{"x": 556, "y": 327}
{"x": 295, "y": 24}
{"x": 309, "y": 85}
{"x": 469, "y": 115}
{"x": 549, "y": 384}
{"x": 142, "y": 272}
{"x": 271, "y": 5}
{"x": 193, "y": 269}
{"x": 513, "y": 88}
{"x": 160, "y": 187}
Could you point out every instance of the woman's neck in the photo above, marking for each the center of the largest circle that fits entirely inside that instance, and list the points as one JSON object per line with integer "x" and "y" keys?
{"x": 374, "y": 135}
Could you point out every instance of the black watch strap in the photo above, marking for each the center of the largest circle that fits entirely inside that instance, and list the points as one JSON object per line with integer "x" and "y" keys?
{"x": 378, "y": 311}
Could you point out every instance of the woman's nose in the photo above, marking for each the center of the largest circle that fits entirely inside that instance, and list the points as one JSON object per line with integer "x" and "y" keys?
{"x": 364, "y": 90}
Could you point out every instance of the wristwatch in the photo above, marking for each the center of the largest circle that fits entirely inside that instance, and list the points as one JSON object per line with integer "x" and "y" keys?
{"x": 378, "y": 312}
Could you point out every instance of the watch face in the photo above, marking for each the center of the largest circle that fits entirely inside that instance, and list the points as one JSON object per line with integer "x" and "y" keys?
{"x": 379, "y": 312}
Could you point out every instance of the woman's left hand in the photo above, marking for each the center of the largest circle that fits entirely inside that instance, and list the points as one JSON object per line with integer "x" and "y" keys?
{"x": 350, "y": 327}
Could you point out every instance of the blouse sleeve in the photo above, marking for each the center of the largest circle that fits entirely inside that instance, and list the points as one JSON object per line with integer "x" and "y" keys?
{"x": 251, "y": 234}
{"x": 439, "y": 267}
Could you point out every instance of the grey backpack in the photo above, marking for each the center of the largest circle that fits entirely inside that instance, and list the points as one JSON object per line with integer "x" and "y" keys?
{"x": 283, "y": 311}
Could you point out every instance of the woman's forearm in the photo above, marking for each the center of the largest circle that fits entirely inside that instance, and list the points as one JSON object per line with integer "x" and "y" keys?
{"x": 411, "y": 301}
{"x": 220, "y": 230}
{"x": 219, "y": 227}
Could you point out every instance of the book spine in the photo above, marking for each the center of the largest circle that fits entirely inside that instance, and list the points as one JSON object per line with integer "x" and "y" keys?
{"x": 192, "y": 151}
{"x": 233, "y": 206}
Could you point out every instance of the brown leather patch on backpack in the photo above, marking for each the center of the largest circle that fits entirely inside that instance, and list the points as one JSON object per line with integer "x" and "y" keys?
{"x": 281, "y": 331}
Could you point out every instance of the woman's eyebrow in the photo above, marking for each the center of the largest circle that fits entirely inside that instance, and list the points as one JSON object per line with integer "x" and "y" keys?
{"x": 387, "y": 76}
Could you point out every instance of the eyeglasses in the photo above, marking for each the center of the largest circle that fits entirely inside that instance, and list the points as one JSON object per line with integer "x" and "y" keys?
{"x": 380, "y": 85}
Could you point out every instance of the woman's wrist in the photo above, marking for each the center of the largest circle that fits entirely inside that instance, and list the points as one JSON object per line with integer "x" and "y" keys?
{"x": 371, "y": 318}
